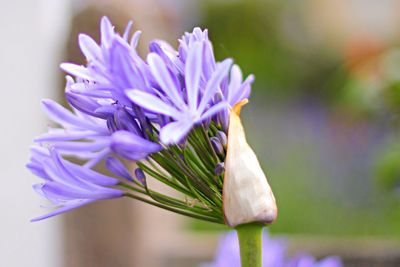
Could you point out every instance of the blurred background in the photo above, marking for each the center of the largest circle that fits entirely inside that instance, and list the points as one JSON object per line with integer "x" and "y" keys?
{"x": 324, "y": 121}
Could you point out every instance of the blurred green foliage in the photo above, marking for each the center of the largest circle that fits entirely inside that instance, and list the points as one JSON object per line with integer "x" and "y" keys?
{"x": 252, "y": 32}
{"x": 388, "y": 167}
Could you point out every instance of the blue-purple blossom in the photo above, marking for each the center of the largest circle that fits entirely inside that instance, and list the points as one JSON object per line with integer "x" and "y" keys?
{"x": 273, "y": 254}
{"x": 168, "y": 113}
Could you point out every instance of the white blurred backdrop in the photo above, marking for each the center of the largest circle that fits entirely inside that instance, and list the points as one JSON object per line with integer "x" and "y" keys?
{"x": 32, "y": 37}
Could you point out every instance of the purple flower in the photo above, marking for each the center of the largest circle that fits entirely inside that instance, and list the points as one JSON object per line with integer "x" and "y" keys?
{"x": 124, "y": 107}
{"x": 273, "y": 253}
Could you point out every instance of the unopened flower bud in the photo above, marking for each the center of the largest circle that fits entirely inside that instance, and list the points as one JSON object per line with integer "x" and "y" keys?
{"x": 140, "y": 176}
{"x": 219, "y": 168}
{"x": 219, "y": 97}
{"x": 217, "y": 146}
{"x": 247, "y": 196}
{"x": 222, "y": 138}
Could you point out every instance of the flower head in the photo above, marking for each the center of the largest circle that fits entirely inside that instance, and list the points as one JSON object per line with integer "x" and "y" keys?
{"x": 169, "y": 113}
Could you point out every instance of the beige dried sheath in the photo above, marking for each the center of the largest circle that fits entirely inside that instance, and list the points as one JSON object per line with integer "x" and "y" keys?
{"x": 247, "y": 196}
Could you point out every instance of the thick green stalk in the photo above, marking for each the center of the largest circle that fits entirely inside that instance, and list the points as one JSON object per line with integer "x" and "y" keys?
{"x": 250, "y": 241}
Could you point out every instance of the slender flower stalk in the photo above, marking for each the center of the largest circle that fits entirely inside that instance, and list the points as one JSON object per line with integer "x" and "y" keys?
{"x": 250, "y": 240}
{"x": 175, "y": 114}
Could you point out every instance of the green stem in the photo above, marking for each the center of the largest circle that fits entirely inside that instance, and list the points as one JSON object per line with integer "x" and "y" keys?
{"x": 176, "y": 210}
{"x": 250, "y": 241}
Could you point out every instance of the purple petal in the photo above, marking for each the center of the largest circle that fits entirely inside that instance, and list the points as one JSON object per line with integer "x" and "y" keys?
{"x": 168, "y": 55}
{"x": 106, "y": 31}
{"x": 167, "y": 81}
{"x": 97, "y": 157}
{"x": 236, "y": 79}
{"x": 92, "y": 93}
{"x": 242, "y": 92}
{"x": 127, "y": 31}
{"x": 91, "y": 175}
{"x": 90, "y": 90}
{"x": 89, "y": 47}
{"x": 76, "y": 70}
{"x": 193, "y": 73}
{"x": 214, "y": 82}
{"x": 330, "y": 262}
{"x": 213, "y": 110}
{"x": 53, "y": 190}
{"x": 118, "y": 168}
{"x": 59, "y": 114}
{"x": 82, "y": 146}
{"x": 209, "y": 60}
{"x": 125, "y": 121}
{"x": 174, "y": 132}
{"x": 124, "y": 67}
{"x": 83, "y": 104}
{"x": 132, "y": 146}
{"x": 135, "y": 39}
{"x": 58, "y": 172}
{"x": 62, "y": 210}
{"x": 64, "y": 135}
{"x": 301, "y": 260}
{"x": 106, "y": 110}
{"x": 77, "y": 177}
{"x": 151, "y": 103}
{"x": 37, "y": 170}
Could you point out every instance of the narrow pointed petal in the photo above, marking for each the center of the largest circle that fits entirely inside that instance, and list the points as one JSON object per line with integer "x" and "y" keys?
{"x": 83, "y": 104}
{"x": 124, "y": 68}
{"x": 106, "y": 31}
{"x": 82, "y": 146}
{"x": 132, "y": 146}
{"x": 243, "y": 92}
{"x": 235, "y": 80}
{"x": 214, "y": 109}
{"x": 214, "y": 82}
{"x": 127, "y": 31}
{"x": 174, "y": 132}
{"x": 62, "y": 210}
{"x": 167, "y": 81}
{"x": 209, "y": 64}
{"x": 64, "y": 135}
{"x": 151, "y": 103}
{"x": 53, "y": 190}
{"x": 118, "y": 168}
{"x": 76, "y": 70}
{"x": 247, "y": 196}
{"x": 193, "y": 70}
{"x": 89, "y": 47}
{"x": 135, "y": 39}
{"x": 37, "y": 170}
{"x": 90, "y": 175}
{"x": 59, "y": 114}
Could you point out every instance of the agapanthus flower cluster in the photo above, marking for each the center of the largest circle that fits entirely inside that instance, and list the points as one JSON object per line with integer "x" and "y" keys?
{"x": 168, "y": 112}
{"x": 274, "y": 254}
